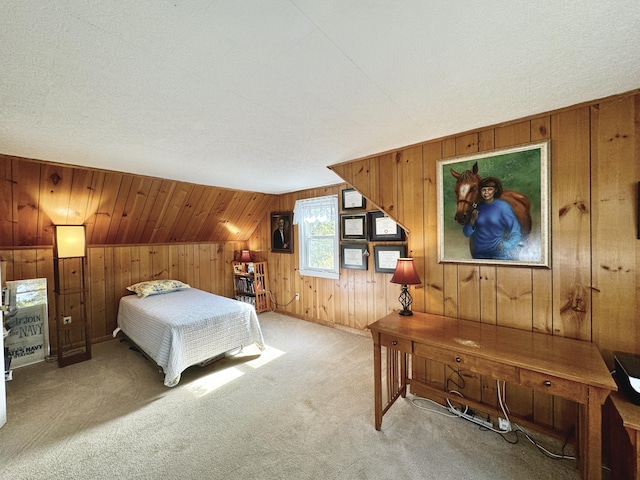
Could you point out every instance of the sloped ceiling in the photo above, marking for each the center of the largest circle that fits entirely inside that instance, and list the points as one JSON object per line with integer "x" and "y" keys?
{"x": 119, "y": 208}
{"x": 263, "y": 95}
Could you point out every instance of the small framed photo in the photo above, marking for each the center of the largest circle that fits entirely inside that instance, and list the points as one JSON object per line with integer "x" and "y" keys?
{"x": 386, "y": 257}
{"x": 282, "y": 238}
{"x": 353, "y": 227}
{"x": 383, "y": 228}
{"x": 352, "y": 199}
{"x": 353, "y": 256}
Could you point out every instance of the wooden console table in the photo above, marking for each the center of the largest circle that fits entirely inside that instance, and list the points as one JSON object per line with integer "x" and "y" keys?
{"x": 564, "y": 367}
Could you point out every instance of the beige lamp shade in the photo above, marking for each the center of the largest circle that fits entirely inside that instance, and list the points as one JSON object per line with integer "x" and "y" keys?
{"x": 70, "y": 241}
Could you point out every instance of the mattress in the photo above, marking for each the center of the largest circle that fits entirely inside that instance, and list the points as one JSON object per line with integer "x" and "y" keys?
{"x": 187, "y": 327}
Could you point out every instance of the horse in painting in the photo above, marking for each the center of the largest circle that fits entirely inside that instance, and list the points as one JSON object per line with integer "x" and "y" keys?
{"x": 468, "y": 197}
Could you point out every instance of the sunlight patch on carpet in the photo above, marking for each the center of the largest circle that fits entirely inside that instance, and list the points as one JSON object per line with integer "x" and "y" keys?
{"x": 218, "y": 378}
{"x": 215, "y": 380}
{"x": 265, "y": 357}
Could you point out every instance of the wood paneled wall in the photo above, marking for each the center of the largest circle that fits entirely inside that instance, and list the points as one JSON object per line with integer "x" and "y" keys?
{"x": 591, "y": 291}
{"x": 144, "y": 228}
{"x": 352, "y": 302}
{"x": 110, "y": 269}
{"x": 119, "y": 208}
{"x": 138, "y": 228}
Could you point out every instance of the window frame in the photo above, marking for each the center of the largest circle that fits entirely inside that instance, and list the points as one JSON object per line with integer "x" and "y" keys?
{"x": 305, "y": 238}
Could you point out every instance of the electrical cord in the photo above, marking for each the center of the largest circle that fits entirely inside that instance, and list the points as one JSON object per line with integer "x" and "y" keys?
{"x": 516, "y": 431}
{"x": 502, "y": 400}
{"x": 548, "y": 453}
{"x": 459, "y": 384}
{"x": 276, "y": 304}
{"x": 502, "y": 394}
{"x": 466, "y": 413}
{"x": 415, "y": 402}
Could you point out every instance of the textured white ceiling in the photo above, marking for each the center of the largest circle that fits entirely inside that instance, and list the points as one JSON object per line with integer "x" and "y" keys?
{"x": 263, "y": 95}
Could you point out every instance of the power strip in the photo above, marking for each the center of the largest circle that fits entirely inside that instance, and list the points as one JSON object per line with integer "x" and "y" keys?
{"x": 472, "y": 418}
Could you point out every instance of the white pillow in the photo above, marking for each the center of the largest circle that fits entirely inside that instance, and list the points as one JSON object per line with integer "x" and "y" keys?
{"x": 153, "y": 287}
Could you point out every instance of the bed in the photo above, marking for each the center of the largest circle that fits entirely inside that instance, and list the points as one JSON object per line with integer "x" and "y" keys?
{"x": 181, "y": 327}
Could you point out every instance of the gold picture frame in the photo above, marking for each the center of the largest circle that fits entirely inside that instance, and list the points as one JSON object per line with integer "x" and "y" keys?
{"x": 521, "y": 173}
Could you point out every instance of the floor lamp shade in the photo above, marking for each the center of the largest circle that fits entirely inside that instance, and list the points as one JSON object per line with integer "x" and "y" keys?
{"x": 70, "y": 241}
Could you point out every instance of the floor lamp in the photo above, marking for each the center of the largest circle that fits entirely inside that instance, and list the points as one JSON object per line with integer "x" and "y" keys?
{"x": 72, "y": 326}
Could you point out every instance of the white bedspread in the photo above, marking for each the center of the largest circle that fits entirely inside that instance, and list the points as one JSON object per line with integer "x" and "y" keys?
{"x": 186, "y": 327}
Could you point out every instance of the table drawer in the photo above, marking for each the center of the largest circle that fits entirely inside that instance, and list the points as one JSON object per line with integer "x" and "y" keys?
{"x": 469, "y": 362}
{"x": 560, "y": 387}
{"x": 401, "y": 344}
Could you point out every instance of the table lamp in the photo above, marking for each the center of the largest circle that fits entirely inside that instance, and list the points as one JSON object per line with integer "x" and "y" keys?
{"x": 404, "y": 275}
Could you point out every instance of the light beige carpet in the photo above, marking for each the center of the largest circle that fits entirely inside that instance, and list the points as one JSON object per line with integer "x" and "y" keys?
{"x": 303, "y": 409}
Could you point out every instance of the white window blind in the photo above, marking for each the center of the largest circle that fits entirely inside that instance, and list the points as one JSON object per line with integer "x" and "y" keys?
{"x": 317, "y": 220}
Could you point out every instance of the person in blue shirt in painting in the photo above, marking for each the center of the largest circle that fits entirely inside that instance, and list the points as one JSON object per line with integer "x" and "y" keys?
{"x": 494, "y": 229}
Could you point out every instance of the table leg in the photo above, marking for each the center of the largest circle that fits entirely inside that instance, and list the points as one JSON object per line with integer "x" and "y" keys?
{"x": 633, "y": 437}
{"x": 377, "y": 380}
{"x": 403, "y": 374}
{"x": 591, "y": 436}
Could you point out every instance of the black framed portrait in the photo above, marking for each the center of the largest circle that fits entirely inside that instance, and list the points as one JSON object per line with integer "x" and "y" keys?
{"x": 281, "y": 232}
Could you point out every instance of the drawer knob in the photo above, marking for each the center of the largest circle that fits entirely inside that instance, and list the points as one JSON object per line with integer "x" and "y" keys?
{"x": 547, "y": 383}
{"x": 458, "y": 359}
{"x": 395, "y": 342}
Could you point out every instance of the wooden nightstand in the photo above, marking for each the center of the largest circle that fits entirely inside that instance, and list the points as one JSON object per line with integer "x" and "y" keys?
{"x": 625, "y": 455}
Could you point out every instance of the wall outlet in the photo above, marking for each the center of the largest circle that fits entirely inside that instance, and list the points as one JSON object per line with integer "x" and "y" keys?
{"x": 66, "y": 320}
{"x": 297, "y": 296}
{"x": 504, "y": 425}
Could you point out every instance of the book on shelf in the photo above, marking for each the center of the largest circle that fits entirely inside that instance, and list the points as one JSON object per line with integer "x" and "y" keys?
{"x": 244, "y": 284}
{"x": 246, "y": 299}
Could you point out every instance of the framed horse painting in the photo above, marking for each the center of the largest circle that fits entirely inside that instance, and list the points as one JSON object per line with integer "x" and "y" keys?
{"x": 493, "y": 207}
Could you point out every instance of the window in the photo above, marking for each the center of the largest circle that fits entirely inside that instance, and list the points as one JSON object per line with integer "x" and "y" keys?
{"x": 317, "y": 220}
